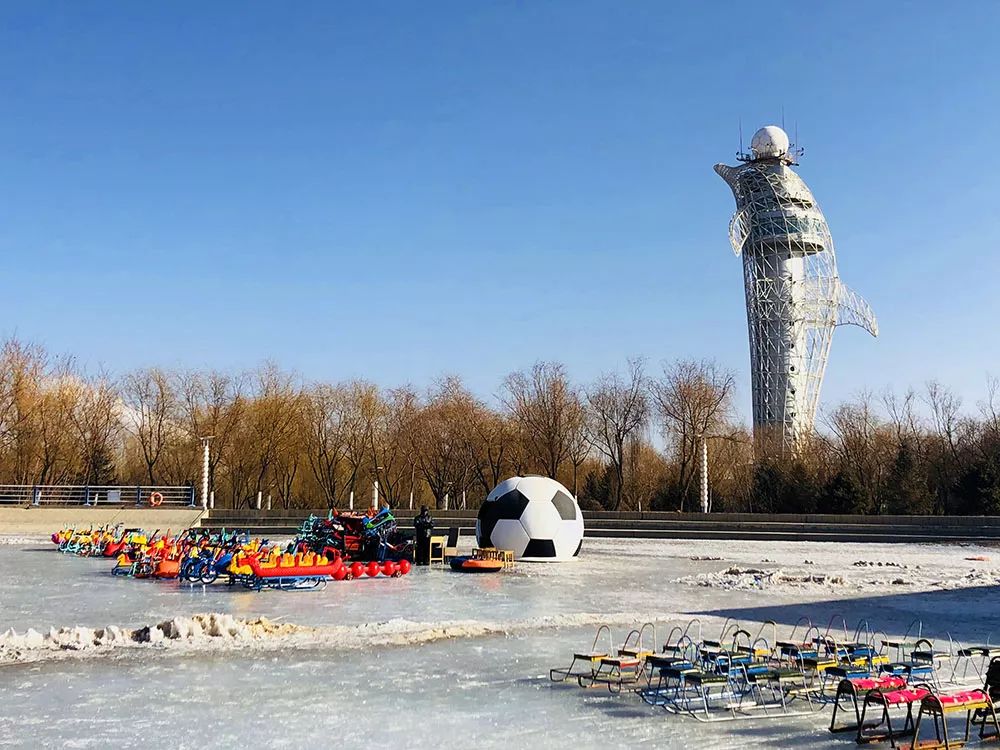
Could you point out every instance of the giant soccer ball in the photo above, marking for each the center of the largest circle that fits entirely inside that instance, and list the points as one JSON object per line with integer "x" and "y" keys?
{"x": 535, "y": 517}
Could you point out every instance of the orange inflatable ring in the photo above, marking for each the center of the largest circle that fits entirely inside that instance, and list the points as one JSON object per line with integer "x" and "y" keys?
{"x": 464, "y": 564}
{"x": 155, "y": 499}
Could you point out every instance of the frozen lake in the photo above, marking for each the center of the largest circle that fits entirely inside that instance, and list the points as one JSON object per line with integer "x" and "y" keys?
{"x": 457, "y": 658}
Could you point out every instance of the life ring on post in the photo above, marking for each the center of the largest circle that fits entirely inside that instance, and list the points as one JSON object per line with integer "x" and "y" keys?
{"x": 155, "y": 498}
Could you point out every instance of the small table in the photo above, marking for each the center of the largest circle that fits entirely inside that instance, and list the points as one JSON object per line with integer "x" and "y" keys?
{"x": 505, "y": 556}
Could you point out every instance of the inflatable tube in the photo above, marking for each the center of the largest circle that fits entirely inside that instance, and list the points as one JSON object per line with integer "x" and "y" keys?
{"x": 168, "y": 568}
{"x": 466, "y": 564}
{"x": 294, "y": 571}
{"x": 155, "y": 499}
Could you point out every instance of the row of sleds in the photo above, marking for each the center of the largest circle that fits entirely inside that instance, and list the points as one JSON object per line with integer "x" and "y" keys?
{"x": 233, "y": 557}
{"x": 880, "y": 688}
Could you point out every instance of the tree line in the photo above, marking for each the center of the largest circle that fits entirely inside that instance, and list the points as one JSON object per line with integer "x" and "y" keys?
{"x": 629, "y": 440}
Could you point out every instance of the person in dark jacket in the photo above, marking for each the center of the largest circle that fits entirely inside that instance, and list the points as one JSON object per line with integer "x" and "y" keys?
{"x": 423, "y": 524}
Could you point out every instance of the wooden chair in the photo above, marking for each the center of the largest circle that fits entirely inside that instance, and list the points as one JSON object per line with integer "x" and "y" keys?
{"x": 435, "y": 551}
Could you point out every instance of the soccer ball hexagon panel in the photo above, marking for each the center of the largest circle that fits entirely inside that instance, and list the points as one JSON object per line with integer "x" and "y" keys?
{"x": 535, "y": 517}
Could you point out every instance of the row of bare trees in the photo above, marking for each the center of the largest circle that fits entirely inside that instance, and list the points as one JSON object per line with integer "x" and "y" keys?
{"x": 629, "y": 440}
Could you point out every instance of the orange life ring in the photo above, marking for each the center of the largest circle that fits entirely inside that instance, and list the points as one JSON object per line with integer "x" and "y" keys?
{"x": 155, "y": 499}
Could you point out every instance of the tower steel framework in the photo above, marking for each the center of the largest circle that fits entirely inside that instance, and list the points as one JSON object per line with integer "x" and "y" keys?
{"x": 794, "y": 295}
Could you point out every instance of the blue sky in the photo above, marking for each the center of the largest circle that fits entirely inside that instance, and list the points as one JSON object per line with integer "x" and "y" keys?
{"x": 398, "y": 190}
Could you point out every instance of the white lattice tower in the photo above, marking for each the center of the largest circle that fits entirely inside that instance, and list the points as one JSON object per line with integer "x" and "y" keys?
{"x": 794, "y": 295}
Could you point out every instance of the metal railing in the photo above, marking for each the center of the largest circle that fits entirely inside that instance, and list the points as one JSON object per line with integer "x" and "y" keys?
{"x": 117, "y": 496}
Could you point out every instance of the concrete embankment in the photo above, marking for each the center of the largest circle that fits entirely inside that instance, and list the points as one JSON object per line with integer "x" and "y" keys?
{"x": 31, "y": 521}
{"x": 737, "y": 526}
{"x": 659, "y": 525}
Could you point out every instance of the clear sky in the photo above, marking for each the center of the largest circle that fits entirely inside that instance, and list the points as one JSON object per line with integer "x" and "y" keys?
{"x": 397, "y": 190}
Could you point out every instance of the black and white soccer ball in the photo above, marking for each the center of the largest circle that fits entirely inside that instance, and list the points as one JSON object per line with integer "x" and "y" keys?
{"x": 535, "y": 517}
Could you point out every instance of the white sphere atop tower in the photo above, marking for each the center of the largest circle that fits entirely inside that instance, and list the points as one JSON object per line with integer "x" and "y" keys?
{"x": 769, "y": 142}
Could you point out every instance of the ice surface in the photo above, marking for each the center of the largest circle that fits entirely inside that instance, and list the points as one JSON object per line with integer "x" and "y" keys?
{"x": 435, "y": 657}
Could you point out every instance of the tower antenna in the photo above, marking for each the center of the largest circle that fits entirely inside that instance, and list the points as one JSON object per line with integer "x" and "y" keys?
{"x": 740, "y": 152}
{"x": 782, "y": 116}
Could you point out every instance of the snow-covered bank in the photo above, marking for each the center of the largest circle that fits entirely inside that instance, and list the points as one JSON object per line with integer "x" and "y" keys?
{"x": 215, "y": 632}
{"x": 866, "y": 576}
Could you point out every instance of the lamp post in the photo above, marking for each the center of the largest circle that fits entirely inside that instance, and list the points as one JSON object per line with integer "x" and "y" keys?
{"x": 413, "y": 468}
{"x": 704, "y": 474}
{"x": 705, "y": 501}
{"x": 375, "y": 488}
{"x": 204, "y": 470}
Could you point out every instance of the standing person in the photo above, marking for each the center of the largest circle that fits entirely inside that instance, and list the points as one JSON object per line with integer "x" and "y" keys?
{"x": 423, "y": 524}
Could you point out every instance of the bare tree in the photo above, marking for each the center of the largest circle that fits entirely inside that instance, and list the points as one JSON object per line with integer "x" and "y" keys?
{"x": 440, "y": 441}
{"x": 213, "y": 404}
{"x": 392, "y": 462}
{"x": 692, "y": 400}
{"x": 326, "y": 437}
{"x": 546, "y": 408}
{"x": 151, "y": 407}
{"x": 492, "y": 446}
{"x": 96, "y": 421}
{"x": 619, "y": 410}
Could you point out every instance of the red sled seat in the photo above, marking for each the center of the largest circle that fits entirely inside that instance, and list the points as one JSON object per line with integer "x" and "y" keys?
{"x": 885, "y": 699}
{"x": 855, "y": 687}
{"x": 885, "y": 682}
{"x": 899, "y": 697}
{"x": 978, "y": 708}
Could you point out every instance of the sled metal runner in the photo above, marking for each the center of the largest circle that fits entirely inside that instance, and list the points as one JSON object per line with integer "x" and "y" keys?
{"x": 589, "y": 660}
{"x": 283, "y": 583}
{"x": 753, "y": 691}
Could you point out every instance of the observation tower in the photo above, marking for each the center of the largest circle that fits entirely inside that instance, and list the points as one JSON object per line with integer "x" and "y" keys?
{"x": 794, "y": 295}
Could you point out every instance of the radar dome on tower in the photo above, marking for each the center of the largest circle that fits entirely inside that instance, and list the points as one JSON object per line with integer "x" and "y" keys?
{"x": 769, "y": 142}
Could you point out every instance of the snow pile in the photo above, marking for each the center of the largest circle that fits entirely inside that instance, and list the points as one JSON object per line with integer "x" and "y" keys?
{"x": 19, "y": 540}
{"x": 199, "y": 629}
{"x": 737, "y": 578}
{"x": 223, "y": 632}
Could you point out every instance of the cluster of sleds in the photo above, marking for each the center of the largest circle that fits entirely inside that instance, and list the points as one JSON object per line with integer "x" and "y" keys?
{"x": 324, "y": 550}
{"x": 881, "y": 689}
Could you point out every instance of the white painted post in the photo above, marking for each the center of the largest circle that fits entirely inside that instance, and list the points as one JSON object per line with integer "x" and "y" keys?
{"x": 375, "y": 496}
{"x": 350, "y": 503}
{"x": 446, "y": 501}
{"x": 269, "y": 501}
{"x": 211, "y": 499}
{"x": 204, "y": 472}
{"x": 463, "y": 499}
{"x": 704, "y": 475}
{"x": 411, "y": 498}
{"x": 259, "y": 498}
